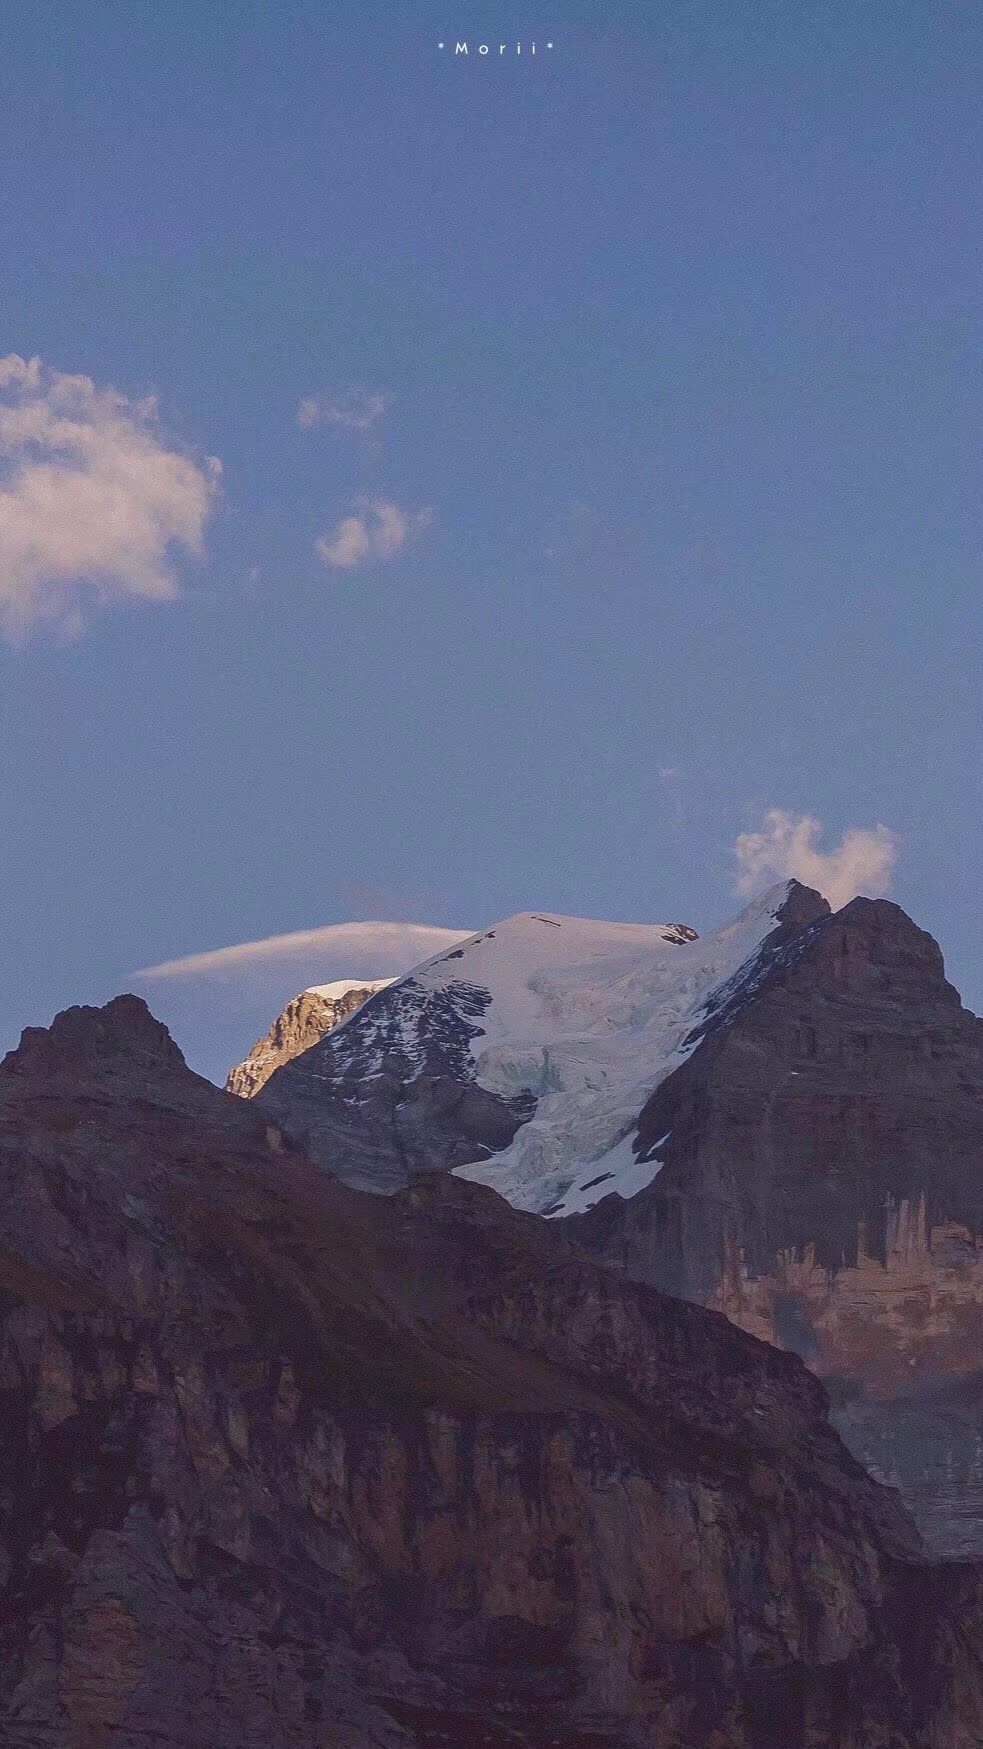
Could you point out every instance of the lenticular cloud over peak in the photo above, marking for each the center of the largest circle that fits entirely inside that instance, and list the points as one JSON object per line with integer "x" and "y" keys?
{"x": 368, "y": 943}
{"x": 93, "y": 498}
{"x": 785, "y": 848}
{"x": 218, "y": 1002}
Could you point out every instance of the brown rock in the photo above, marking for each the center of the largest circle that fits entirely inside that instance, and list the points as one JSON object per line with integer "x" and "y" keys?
{"x": 823, "y": 1186}
{"x": 304, "y": 1020}
{"x": 313, "y": 1468}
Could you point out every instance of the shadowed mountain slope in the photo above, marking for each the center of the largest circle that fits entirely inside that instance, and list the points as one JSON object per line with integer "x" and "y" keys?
{"x": 822, "y": 1183}
{"x": 286, "y": 1465}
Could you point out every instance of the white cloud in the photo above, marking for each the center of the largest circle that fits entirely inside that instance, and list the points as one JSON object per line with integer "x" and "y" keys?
{"x": 217, "y": 1004}
{"x": 92, "y": 498}
{"x": 357, "y": 410}
{"x": 370, "y": 950}
{"x": 785, "y": 849}
{"x": 378, "y": 530}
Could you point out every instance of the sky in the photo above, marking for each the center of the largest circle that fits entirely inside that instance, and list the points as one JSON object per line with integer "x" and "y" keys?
{"x": 456, "y": 485}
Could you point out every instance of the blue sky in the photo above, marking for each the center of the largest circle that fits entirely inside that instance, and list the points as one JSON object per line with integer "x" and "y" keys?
{"x": 676, "y": 335}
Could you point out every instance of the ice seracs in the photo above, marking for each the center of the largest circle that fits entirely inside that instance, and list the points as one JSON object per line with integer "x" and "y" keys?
{"x": 591, "y": 1017}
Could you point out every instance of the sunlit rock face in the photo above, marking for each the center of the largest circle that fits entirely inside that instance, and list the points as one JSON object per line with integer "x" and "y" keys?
{"x": 300, "y": 1024}
{"x": 822, "y": 1184}
{"x": 288, "y": 1465}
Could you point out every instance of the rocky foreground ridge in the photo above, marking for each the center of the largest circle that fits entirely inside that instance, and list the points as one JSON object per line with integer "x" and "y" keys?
{"x": 289, "y": 1467}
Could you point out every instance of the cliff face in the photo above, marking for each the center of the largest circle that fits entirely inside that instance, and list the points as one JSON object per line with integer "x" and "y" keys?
{"x": 823, "y": 1185}
{"x": 287, "y": 1466}
{"x": 302, "y": 1023}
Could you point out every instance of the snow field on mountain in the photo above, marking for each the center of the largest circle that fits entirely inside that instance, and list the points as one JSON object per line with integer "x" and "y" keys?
{"x": 590, "y": 1017}
{"x": 341, "y": 986}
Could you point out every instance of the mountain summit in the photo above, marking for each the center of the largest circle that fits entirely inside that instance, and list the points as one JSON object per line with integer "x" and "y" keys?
{"x": 524, "y": 1056}
{"x": 782, "y": 1120}
{"x": 301, "y": 1023}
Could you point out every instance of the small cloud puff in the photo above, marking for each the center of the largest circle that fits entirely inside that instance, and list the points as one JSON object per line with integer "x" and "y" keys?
{"x": 356, "y": 410}
{"x": 378, "y": 530}
{"x": 92, "y": 498}
{"x": 785, "y": 849}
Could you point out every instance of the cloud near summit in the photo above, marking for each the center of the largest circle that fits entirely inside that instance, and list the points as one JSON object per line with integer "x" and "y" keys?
{"x": 785, "y": 848}
{"x": 217, "y": 1003}
{"x": 367, "y": 950}
{"x": 93, "y": 498}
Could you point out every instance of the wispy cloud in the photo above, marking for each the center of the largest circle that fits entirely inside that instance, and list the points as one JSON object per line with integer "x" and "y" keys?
{"x": 336, "y": 950}
{"x": 377, "y": 530}
{"x": 358, "y": 410}
{"x": 785, "y": 848}
{"x": 92, "y": 498}
{"x": 217, "y": 1003}
{"x": 674, "y": 791}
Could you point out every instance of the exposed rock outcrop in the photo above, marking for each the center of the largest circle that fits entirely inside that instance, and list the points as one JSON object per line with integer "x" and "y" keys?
{"x": 305, "y": 1019}
{"x": 286, "y": 1466}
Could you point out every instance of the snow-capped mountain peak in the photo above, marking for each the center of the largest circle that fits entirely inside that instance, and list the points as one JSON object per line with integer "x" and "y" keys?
{"x": 523, "y": 1055}
{"x": 343, "y": 986}
{"x": 603, "y": 1034}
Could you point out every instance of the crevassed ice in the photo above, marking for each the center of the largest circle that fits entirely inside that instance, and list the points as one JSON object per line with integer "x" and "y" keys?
{"x": 590, "y": 1017}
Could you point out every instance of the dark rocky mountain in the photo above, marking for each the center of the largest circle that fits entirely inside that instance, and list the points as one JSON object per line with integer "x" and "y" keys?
{"x": 394, "y": 1094}
{"x": 823, "y": 1185}
{"x": 789, "y": 1116}
{"x": 289, "y": 1467}
{"x": 302, "y": 1023}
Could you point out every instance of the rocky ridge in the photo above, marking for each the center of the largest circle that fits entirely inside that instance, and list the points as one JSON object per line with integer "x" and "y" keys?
{"x": 289, "y": 1467}
{"x": 301, "y": 1023}
{"x": 821, "y": 1184}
